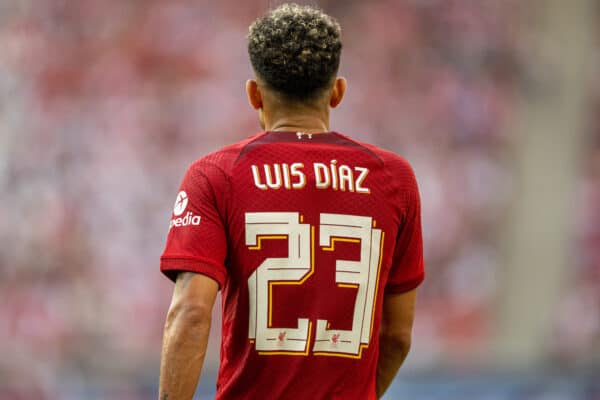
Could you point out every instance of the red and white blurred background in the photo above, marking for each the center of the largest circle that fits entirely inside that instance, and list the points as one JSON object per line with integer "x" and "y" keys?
{"x": 103, "y": 104}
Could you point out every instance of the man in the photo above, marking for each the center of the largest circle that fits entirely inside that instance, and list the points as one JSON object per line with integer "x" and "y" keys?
{"x": 313, "y": 238}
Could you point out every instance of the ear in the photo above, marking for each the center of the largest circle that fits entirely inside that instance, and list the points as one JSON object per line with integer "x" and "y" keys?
{"x": 254, "y": 95}
{"x": 337, "y": 94}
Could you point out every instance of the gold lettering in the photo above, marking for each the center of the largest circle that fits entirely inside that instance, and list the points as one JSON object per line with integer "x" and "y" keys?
{"x": 346, "y": 178}
{"x": 297, "y": 172}
{"x": 363, "y": 174}
{"x": 322, "y": 179}
{"x": 269, "y": 179}
{"x": 256, "y": 176}
{"x": 286, "y": 176}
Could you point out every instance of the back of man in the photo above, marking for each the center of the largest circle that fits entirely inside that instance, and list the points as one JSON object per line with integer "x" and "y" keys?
{"x": 313, "y": 238}
{"x": 307, "y": 233}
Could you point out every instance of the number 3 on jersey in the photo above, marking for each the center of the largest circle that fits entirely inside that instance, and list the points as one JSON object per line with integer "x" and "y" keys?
{"x": 298, "y": 267}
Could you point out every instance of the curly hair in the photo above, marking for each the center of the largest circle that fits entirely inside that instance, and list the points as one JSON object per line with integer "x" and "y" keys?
{"x": 295, "y": 50}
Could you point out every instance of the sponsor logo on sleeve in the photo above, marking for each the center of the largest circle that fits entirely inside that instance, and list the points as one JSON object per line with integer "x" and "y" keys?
{"x": 179, "y": 209}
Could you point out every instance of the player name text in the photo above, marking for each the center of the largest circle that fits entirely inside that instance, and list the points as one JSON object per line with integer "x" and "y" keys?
{"x": 326, "y": 176}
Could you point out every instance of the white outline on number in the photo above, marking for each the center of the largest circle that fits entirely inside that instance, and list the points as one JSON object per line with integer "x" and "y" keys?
{"x": 362, "y": 273}
{"x": 292, "y": 269}
{"x": 298, "y": 266}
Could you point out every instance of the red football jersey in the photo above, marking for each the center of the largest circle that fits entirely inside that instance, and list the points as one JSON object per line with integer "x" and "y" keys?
{"x": 304, "y": 234}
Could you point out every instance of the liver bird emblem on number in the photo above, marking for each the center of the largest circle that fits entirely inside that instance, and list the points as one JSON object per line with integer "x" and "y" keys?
{"x": 281, "y": 336}
{"x": 335, "y": 338}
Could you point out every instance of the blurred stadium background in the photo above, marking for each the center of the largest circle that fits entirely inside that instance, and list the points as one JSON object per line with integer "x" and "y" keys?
{"x": 496, "y": 103}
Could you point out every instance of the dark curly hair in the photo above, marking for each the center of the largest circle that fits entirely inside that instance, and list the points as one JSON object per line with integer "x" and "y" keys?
{"x": 296, "y": 50}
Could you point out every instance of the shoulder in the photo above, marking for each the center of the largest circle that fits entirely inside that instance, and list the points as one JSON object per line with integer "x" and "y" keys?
{"x": 219, "y": 163}
{"x": 211, "y": 173}
{"x": 395, "y": 164}
{"x": 400, "y": 178}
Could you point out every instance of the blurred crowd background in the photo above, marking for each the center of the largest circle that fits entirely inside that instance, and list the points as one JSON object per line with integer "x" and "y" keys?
{"x": 103, "y": 104}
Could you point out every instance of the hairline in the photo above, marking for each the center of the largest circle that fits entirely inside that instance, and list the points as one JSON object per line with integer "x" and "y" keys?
{"x": 312, "y": 96}
{"x": 286, "y": 98}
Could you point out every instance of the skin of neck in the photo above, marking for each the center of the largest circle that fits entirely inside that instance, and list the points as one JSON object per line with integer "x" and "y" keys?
{"x": 278, "y": 114}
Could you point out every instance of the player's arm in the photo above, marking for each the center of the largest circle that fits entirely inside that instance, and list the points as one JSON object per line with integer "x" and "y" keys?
{"x": 394, "y": 337}
{"x": 186, "y": 335}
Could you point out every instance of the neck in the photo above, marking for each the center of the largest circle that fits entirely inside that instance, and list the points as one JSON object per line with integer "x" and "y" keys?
{"x": 313, "y": 121}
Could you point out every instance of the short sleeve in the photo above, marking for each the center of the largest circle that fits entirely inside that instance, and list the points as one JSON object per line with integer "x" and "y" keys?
{"x": 196, "y": 240}
{"x": 408, "y": 269}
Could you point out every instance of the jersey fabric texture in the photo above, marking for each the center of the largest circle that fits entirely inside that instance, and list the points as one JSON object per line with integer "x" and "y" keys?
{"x": 304, "y": 234}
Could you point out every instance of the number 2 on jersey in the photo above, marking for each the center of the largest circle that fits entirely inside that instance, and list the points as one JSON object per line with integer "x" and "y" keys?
{"x": 298, "y": 267}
